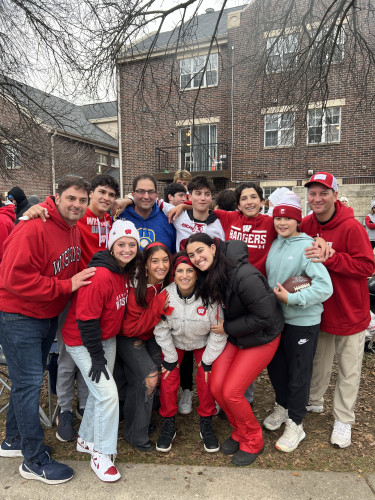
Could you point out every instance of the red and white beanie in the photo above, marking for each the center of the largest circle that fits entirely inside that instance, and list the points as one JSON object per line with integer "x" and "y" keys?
{"x": 289, "y": 205}
{"x": 122, "y": 228}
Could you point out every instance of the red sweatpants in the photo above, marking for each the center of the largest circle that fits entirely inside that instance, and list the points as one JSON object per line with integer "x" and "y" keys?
{"x": 170, "y": 385}
{"x": 232, "y": 373}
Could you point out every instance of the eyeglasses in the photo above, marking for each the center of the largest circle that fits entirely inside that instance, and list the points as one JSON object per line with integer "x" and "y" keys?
{"x": 142, "y": 192}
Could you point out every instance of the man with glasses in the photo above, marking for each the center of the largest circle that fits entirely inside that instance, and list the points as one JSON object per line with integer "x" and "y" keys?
{"x": 150, "y": 222}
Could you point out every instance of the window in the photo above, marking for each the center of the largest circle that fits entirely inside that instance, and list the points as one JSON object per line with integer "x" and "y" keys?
{"x": 12, "y": 158}
{"x": 114, "y": 162}
{"x": 326, "y": 46}
{"x": 193, "y": 73}
{"x": 281, "y": 52}
{"x": 279, "y": 130}
{"x": 324, "y": 125}
{"x": 198, "y": 148}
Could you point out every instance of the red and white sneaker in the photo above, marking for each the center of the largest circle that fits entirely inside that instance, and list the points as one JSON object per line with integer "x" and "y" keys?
{"x": 104, "y": 468}
{"x": 84, "y": 446}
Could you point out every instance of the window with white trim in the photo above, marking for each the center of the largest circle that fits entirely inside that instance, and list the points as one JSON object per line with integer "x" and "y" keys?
{"x": 114, "y": 162}
{"x": 12, "y": 158}
{"x": 279, "y": 129}
{"x": 281, "y": 52}
{"x": 324, "y": 125}
{"x": 194, "y": 73}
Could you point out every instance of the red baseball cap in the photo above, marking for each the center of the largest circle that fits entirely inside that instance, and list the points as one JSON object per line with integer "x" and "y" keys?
{"x": 324, "y": 178}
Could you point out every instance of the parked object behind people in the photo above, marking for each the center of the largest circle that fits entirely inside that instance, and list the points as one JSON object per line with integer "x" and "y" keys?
{"x": 93, "y": 321}
{"x": 291, "y": 368}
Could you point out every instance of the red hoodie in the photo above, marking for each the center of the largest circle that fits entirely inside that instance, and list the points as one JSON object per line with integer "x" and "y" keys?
{"x": 94, "y": 232}
{"x": 141, "y": 322}
{"x": 39, "y": 261}
{"x": 347, "y": 311}
{"x": 257, "y": 232}
{"x": 7, "y": 218}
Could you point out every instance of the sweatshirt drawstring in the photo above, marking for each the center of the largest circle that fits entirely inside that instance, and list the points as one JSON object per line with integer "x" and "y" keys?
{"x": 100, "y": 233}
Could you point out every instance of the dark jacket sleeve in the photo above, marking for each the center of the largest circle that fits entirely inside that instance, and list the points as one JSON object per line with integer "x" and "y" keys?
{"x": 91, "y": 338}
{"x": 259, "y": 306}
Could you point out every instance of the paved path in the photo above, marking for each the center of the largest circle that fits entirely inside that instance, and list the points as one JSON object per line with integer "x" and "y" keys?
{"x": 166, "y": 482}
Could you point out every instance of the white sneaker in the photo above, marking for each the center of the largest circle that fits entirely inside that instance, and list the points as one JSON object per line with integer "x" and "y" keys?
{"x": 341, "y": 435}
{"x": 185, "y": 405}
{"x": 104, "y": 468}
{"x": 293, "y": 435}
{"x": 84, "y": 446}
{"x": 315, "y": 408}
{"x": 276, "y": 419}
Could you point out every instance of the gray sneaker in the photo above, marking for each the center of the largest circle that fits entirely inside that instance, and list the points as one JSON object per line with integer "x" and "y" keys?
{"x": 276, "y": 419}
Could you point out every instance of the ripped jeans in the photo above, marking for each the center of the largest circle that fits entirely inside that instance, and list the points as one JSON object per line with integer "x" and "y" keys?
{"x": 142, "y": 361}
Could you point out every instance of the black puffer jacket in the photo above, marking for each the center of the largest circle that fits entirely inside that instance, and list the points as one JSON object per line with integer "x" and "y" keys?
{"x": 252, "y": 314}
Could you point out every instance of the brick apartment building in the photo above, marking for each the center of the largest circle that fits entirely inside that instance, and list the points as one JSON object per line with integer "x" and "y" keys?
{"x": 229, "y": 108}
{"x": 48, "y": 138}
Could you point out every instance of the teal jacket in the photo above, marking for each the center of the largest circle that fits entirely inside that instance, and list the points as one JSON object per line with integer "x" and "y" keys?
{"x": 286, "y": 258}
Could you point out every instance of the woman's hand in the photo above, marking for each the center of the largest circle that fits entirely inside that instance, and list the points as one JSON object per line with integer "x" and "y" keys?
{"x": 281, "y": 293}
{"x": 166, "y": 372}
{"x": 166, "y": 303}
{"x": 205, "y": 373}
{"x": 219, "y": 328}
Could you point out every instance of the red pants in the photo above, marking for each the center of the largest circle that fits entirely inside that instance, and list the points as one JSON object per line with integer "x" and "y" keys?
{"x": 170, "y": 385}
{"x": 232, "y": 373}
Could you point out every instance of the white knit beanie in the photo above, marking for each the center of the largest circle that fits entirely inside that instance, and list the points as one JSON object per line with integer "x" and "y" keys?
{"x": 122, "y": 228}
{"x": 289, "y": 206}
{"x": 275, "y": 196}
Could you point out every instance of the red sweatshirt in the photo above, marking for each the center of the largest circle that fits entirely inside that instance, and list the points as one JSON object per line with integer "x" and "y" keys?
{"x": 141, "y": 322}
{"x": 7, "y": 218}
{"x": 39, "y": 261}
{"x": 347, "y": 311}
{"x": 105, "y": 299}
{"x": 257, "y": 232}
{"x": 94, "y": 233}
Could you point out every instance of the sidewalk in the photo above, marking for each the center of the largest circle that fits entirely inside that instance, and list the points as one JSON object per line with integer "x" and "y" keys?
{"x": 166, "y": 482}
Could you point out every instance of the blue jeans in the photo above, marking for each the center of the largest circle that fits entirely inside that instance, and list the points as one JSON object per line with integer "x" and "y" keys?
{"x": 26, "y": 343}
{"x": 100, "y": 420}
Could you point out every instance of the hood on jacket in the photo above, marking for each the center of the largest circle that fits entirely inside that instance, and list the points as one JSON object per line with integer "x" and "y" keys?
{"x": 154, "y": 212}
{"x": 288, "y": 241}
{"x": 18, "y": 194}
{"x": 235, "y": 250}
{"x": 105, "y": 259}
{"x": 9, "y": 211}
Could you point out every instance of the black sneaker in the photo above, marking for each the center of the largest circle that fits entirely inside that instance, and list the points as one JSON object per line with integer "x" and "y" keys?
{"x": 230, "y": 446}
{"x": 167, "y": 435}
{"x": 80, "y": 412}
{"x": 65, "y": 429}
{"x": 211, "y": 444}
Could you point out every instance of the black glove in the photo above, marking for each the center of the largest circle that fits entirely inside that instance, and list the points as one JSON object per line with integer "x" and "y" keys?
{"x": 206, "y": 368}
{"x": 97, "y": 368}
{"x": 169, "y": 366}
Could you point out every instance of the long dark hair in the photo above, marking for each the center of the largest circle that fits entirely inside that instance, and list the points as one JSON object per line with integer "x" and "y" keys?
{"x": 141, "y": 289}
{"x": 213, "y": 282}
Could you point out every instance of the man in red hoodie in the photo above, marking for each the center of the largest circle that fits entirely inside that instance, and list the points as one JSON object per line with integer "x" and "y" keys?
{"x": 38, "y": 274}
{"x": 346, "y": 313}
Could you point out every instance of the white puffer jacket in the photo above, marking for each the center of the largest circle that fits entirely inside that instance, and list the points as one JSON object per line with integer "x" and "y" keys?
{"x": 188, "y": 328}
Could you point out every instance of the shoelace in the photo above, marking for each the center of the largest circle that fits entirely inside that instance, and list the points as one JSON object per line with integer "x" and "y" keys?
{"x": 206, "y": 428}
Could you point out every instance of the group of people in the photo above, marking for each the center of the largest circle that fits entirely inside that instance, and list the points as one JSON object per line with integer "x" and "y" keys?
{"x": 133, "y": 301}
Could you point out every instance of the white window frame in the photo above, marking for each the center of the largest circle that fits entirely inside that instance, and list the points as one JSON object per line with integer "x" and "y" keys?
{"x": 285, "y": 135}
{"x": 280, "y": 48}
{"x": 12, "y": 158}
{"x": 339, "y": 51}
{"x": 191, "y": 70}
{"x": 326, "y": 115}
{"x": 115, "y": 162}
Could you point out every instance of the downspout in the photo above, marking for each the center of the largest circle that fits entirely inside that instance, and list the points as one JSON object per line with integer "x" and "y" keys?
{"x": 119, "y": 142}
{"x": 53, "y": 172}
{"x": 232, "y": 111}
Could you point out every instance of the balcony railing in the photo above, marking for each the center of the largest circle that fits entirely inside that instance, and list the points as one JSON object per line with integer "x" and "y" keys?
{"x": 198, "y": 158}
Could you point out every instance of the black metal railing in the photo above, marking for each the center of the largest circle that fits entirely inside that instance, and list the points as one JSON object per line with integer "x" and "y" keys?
{"x": 197, "y": 158}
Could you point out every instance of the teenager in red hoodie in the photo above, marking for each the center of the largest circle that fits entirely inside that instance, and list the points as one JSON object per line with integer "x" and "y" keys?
{"x": 136, "y": 345}
{"x": 346, "y": 313}
{"x": 37, "y": 276}
{"x": 90, "y": 330}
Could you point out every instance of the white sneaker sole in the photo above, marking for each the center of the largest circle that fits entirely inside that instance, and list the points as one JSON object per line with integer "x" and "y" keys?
{"x": 315, "y": 409}
{"x": 165, "y": 450}
{"x": 285, "y": 449}
{"x": 107, "y": 479}
{"x": 271, "y": 427}
{"x": 10, "y": 453}
{"x": 32, "y": 475}
{"x": 185, "y": 411}
{"x": 212, "y": 450}
{"x": 341, "y": 445}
